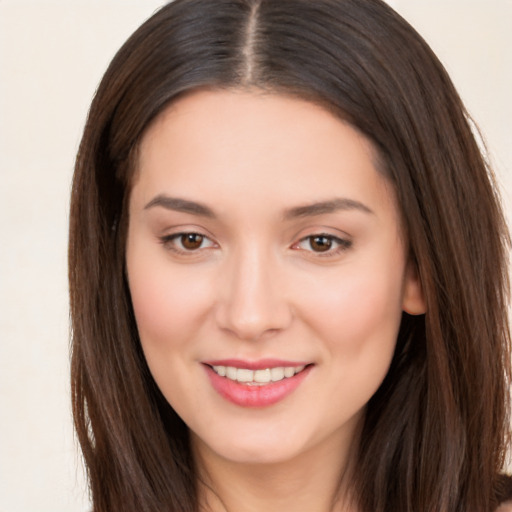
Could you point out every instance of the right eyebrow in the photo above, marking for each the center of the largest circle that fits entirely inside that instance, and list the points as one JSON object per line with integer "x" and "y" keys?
{"x": 180, "y": 205}
{"x": 325, "y": 207}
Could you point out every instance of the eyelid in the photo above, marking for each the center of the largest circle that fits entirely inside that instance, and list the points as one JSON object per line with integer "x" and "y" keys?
{"x": 339, "y": 243}
{"x": 342, "y": 244}
{"x": 169, "y": 242}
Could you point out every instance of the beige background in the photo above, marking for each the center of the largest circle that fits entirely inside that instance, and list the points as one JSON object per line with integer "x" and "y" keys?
{"x": 52, "y": 55}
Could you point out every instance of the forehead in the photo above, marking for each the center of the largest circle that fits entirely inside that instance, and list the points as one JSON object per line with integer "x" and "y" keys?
{"x": 250, "y": 146}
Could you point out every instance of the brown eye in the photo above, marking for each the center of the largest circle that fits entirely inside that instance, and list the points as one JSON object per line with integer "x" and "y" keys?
{"x": 191, "y": 241}
{"x": 187, "y": 242}
{"x": 323, "y": 244}
{"x": 320, "y": 243}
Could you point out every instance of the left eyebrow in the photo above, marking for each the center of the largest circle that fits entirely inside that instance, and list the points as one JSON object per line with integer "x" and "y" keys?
{"x": 323, "y": 207}
{"x": 180, "y": 205}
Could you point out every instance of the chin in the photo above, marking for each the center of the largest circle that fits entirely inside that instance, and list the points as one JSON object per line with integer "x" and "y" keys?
{"x": 252, "y": 449}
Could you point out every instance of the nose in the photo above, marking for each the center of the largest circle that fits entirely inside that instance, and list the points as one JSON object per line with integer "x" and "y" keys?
{"x": 251, "y": 298}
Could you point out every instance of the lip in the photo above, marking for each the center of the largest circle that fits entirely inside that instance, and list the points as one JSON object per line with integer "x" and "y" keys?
{"x": 260, "y": 364}
{"x": 259, "y": 396}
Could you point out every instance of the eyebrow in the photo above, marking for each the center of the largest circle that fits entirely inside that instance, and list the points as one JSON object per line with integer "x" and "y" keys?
{"x": 309, "y": 210}
{"x": 180, "y": 205}
{"x": 324, "y": 207}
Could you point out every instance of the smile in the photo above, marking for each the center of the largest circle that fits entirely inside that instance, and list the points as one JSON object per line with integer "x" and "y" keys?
{"x": 256, "y": 384}
{"x": 257, "y": 377}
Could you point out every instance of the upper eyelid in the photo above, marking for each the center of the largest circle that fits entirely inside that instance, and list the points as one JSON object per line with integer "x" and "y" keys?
{"x": 174, "y": 231}
{"x": 338, "y": 239}
{"x": 326, "y": 234}
{"x": 342, "y": 236}
{"x": 185, "y": 232}
{"x": 178, "y": 234}
{"x": 171, "y": 243}
{"x": 342, "y": 244}
{"x": 342, "y": 239}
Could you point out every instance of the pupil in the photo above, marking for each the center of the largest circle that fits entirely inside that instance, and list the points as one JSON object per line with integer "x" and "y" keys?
{"x": 321, "y": 243}
{"x": 192, "y": 240}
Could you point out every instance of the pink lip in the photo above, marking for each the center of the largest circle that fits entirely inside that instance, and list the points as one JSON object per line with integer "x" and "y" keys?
{"x": 261, "y": 364}
{"x": 255, "y": 396}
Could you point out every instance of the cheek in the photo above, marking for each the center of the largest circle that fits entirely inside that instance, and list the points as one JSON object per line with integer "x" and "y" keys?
{"x": 168, "y": 302}
{"x": 357, "y": 323}
{"x": 359, "y": 312}
{"x": 169, "y": 306}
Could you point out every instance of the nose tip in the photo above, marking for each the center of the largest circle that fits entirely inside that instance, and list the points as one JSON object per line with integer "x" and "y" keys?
{"x": 253, "y": 304}
{"x": 250, "y": 328}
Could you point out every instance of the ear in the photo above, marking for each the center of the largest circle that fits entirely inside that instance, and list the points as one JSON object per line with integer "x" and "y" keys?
{"x": 413, "y": 301}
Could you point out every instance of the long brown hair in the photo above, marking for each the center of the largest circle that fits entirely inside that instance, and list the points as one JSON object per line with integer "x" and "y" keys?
{"x": 436, "y": 432}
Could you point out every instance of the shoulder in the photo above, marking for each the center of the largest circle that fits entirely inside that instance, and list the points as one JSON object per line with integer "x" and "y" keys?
{"x": 505, "y": 507}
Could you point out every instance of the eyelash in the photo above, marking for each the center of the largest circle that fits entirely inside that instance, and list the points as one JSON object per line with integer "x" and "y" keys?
{"x": 341, "y": 244}
{"x": 170, "y": 242}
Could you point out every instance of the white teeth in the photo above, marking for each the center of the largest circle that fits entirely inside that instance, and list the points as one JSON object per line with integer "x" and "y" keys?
{"x": 262, "y": 376}
{"x": 221, "y": 370}
{"x": 277, "y": 374}
{"x": 255, "y": 377}
{"x": 243, "y": 375}
{"x": 289, "y": 372}
{"x": 231, "y": 372}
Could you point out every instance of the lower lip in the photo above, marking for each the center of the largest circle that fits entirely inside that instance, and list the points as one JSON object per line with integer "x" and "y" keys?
{"x": 256, "y": 395}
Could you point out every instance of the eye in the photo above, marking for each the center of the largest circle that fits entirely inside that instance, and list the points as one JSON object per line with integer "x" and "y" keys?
{"x": 186, "y": 242}
{"x": 323, "y": 243}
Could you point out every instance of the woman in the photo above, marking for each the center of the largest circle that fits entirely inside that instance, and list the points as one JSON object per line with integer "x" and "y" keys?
{"x": 287, "y": 270}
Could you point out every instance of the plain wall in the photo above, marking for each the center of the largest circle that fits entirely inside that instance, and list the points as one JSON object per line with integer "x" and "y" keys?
{"x": 52, "y": 56}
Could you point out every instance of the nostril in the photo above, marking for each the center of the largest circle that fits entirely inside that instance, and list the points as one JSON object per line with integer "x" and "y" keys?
{"x": 252, "y": 321}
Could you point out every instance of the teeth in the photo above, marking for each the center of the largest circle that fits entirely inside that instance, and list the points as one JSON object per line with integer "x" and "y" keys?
{"x": 255, "y": 377}
{"x": 262, "y": 376}
{"x": 230, "y": 372}
{"x": 277, "y": 374}
{"x": 289, "y": 372}
{"x": 243, "y": 375}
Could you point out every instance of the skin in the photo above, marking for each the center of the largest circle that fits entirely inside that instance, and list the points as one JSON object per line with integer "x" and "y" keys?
{"x": 256, "y": 285}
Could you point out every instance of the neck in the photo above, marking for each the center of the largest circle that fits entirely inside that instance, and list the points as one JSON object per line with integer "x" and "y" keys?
{"x": 317, "y": 479}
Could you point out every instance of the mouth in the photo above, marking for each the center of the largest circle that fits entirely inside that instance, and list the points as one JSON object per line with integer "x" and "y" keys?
{"x": 258, "y": 384}
{"x": 260, "y": 377}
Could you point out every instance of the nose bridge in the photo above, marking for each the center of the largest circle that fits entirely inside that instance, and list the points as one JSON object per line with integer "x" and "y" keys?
{"x": 253, "y": 302}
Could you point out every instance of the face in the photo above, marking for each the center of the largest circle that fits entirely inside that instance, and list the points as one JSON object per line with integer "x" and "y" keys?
{"x": 267, "y": 270}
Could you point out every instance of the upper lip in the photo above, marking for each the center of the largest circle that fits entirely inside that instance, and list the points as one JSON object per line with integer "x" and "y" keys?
{"x": 260, "y": 364}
